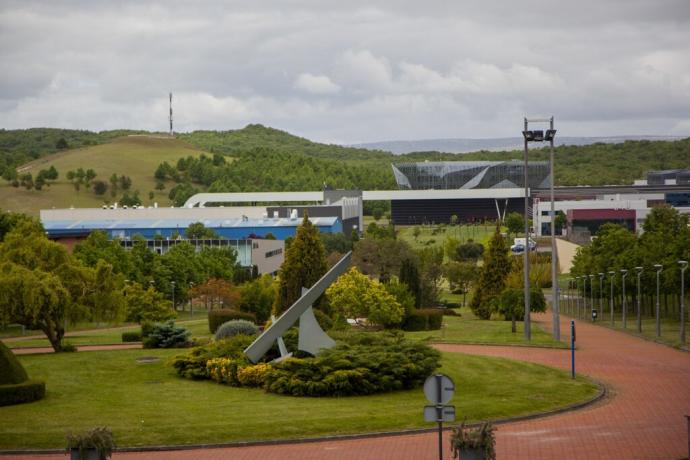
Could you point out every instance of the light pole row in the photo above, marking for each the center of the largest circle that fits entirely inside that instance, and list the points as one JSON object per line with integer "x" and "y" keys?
{"x": 581, "y": 300}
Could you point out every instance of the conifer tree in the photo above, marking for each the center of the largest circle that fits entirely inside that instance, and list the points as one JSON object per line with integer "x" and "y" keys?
{"x": 497, "y": 265}
{"x": 305, "y": 264}
{"x": 409, "y": 275}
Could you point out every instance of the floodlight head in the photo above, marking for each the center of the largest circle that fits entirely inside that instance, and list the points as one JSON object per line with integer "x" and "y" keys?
{"x": 658, "y": 267}
{"x": 538, "y": 135}
{"x": 601, "y": 275}
{"x": 591, "y": 276}
{"x": 624, "y": 271}
{"x": 683, "y": 264}
{"x": 639, "y": 270}
{"x": 528, "y": 135}
{"x": 550, "y": 134}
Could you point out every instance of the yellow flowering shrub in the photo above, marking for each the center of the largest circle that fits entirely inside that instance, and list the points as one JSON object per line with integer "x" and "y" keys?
{"x": 253, "y": 376}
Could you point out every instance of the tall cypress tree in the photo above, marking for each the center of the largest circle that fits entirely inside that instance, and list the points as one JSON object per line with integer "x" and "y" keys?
{"x": 409, "y": 275}
{"x": 492, "y": 279}
{"x": 305, "y": 264}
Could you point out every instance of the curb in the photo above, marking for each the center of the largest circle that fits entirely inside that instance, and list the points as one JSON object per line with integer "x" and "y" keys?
{"x": 603, "y": 391}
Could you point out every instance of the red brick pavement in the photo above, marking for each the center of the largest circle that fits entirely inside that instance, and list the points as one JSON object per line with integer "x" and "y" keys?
{"x": 643, "y": 418}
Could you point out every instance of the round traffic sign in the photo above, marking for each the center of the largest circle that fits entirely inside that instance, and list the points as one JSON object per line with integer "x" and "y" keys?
{"x": 439, "y": 389}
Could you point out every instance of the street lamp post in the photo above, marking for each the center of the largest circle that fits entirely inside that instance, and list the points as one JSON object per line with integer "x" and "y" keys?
{"x": 601, "y": 294}
{"x": 683, "y": 265}
{"x": 624, "y": 273}
{"x": 528, "y": 331}
{"x": 639, "y": 300}
{"x": 173, "y": 294}
{"x": 591, "y": 292}
{"x": 612, "y": 274}
{"x": 659, "y": 268}
{"x": 191, "y": 304}
{"x": 540, "y": 136}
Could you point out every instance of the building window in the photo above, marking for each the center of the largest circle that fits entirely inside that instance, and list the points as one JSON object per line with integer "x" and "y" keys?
{"x": 275, "y": 252}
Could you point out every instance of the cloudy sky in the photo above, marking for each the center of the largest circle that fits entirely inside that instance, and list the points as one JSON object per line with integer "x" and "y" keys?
{"x": 349, "y": 71}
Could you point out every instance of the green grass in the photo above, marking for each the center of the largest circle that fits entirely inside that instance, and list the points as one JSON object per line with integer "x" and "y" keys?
{"x": 135, "y": 156}
{"x": 198, "y": 327}
{"x": 479, "y": 233}
{"x": 469, "y": 329}
{"x": 147, "y": 404}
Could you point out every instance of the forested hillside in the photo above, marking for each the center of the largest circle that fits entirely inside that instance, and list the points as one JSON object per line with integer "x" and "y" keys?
{"x": 258, "y": 158}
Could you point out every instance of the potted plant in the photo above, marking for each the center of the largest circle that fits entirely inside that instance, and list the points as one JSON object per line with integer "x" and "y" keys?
{"x": 95, "y": 444}
{"x": 473, "y": 443}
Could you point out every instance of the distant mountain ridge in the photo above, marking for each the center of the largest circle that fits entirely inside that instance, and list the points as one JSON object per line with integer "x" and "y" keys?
{"x": 466, "y": 145}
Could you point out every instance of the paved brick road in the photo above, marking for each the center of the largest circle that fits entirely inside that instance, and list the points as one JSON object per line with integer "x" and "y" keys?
{"x": 642, "y": 419}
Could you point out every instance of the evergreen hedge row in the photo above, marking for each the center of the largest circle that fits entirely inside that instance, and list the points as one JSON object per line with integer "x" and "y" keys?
{"x": 426, "y": 319}
{"x": 27, "y": 391}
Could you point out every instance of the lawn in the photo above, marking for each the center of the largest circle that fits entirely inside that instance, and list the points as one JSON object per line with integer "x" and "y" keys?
{"x": 134, "y": 156}
{"x": 147, "y": 404}
{"x": 467, "y": 328}
{"x": 435, "y": 235}
{"x": 198, "y": 327}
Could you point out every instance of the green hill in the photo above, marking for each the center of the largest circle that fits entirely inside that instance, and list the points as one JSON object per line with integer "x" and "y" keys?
{"x": 136, "y": 156}
{"x": 267, "y": 159}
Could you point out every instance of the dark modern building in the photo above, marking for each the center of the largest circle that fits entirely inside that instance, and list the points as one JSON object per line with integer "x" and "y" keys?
{"x": 490, "y": 177}
{"x": 445, "y": 175}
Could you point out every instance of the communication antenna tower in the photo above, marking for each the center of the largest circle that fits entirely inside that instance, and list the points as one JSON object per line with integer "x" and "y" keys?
{"x": 171, "y": 117}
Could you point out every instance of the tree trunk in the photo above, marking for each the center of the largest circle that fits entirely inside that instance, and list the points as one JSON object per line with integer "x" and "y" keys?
{"x": 54, "y": 333}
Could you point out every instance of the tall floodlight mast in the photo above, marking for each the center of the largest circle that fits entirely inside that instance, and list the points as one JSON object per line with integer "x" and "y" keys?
{"x": 171, "y": 117}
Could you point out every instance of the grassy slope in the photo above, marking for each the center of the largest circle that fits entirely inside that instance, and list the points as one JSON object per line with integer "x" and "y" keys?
{"x": 147, "y": 404}
{"x": 135, "y": 156}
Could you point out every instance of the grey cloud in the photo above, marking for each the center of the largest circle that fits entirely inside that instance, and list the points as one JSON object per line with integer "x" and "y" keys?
{"x": 348, "y": 71}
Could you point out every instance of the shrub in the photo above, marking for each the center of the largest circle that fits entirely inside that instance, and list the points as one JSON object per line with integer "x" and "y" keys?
{"x": 235, "y": 327}
{"x": 253, "y": 376}
{"x": 426, "y": 319}
{"x": 323, "y": 319}
{"x": 368, "y": 363}
{"x": 131, "y": 336}
{"x": 217, "y": 317}
{"x": 224, "y": 370}
{"x": 166, "y": 335}
{"x": 146, "y": 328}
{"x": 26, "y": 391}
{"x": 68, "y": 347}
{"x": 11, "y": 370}
{"x": 193, "y": 364}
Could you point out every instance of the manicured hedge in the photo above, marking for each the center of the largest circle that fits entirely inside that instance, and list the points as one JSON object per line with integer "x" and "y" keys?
{"x": 131, "y": 336}
{"x": 374, "y": 364}
{"x": 27, "y": 391}
{"x": 218, "y": 317}
{"x": 425, "y": 319}
{"x": 11, "y": 370}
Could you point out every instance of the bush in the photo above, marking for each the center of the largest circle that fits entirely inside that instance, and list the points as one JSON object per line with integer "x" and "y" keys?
{"x": 27, "y": 391}
{"x": 235, "y": 327}
{"x": 426, "y": 319}
{"x": 131, "y": 336}
{"x": 323, "y": 319}
{"x": 224, "y": 370}
{"x": 146, "y": 328}
{"x": 11, "y": 370}
{"x": 253, "y": 376}
{"x": 167, "y": 335}
{"x": 217, "y": 317}
{"x": 193, "y": 364}
{"x": 369, "y": 363}
{"x": 68, "y": 348}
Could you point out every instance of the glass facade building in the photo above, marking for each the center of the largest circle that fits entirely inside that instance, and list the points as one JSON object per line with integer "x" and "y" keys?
{"x": 446, "y": 175}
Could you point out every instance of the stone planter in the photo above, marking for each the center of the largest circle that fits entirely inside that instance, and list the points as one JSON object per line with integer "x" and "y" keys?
{"x": 88, "y": 454}
{"x": 472, "y": 454}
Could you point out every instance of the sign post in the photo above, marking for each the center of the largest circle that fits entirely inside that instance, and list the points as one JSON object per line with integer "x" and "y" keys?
{"x": 439, "y": 389}
{"x": 572, "y": 347}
